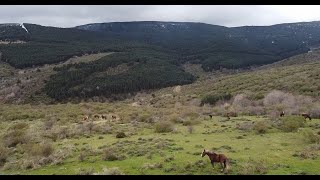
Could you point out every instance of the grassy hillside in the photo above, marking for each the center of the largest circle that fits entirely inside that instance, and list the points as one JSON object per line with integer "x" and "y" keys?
{"x": 298, "y": 75}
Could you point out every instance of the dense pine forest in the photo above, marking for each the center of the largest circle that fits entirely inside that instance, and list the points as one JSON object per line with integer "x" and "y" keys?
{"x": 147, "y": 55}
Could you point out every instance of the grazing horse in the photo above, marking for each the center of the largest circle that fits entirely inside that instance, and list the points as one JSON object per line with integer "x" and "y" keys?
{"x": 103, "y": 117}
{"x": 210, "y": 116}
{"x": 306, "y": 116}
{"x": 114, "y": 117}
{"x": 221, "y": 158}
{"x": 96, "y": 116}
{"x": 282, "y": 114}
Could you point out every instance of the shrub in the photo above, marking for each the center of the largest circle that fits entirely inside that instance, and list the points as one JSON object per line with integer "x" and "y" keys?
{"x": 4, "y": 154}
{"x": 43, "y": 149}
{"x": 88, "y": 171}
{"x": 110, "y": 171}
{"x": 190, "y": 129}
{"x": 189, "y": 122}
{"x": 245, "y": 126}
{"x": 120, "y": 135}
{"x": 14, "y": 137}
{"x": 253, "y": 167}
{"x": 261, "y": 127}
{"x": 191, "y": 115}
{"x": 145, "y": 118}
{"x": 274, "y": 97}
{"x": 310, "y": 137}
{"x": 81, "y": 156}
{"x": 291, "y": 123}
{"x": 214, "y": 98}
{"x": 241, "y": 100}
{"x": 48, "y": 124}
{"x": 163, "y": 126}
{"x": 315, "y": 112}
{"x": 108, "y": 155}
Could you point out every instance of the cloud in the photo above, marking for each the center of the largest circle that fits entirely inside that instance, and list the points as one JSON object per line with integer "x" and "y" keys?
{"x": 226, "y": 15}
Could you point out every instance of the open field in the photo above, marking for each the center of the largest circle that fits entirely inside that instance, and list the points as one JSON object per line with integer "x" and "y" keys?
{"x": 76, "y": 147}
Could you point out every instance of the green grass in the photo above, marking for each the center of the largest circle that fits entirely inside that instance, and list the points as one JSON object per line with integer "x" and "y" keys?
{"x": 276, "y": 148}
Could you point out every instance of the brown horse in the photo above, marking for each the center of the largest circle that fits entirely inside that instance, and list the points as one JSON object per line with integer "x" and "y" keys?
{"x": 282, "y": 114}
{"x": 221, "y": 158}
{"x": 306, "y": 116}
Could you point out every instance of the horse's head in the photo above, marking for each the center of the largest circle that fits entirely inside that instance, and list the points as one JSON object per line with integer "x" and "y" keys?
{"x": 203, "y": 153}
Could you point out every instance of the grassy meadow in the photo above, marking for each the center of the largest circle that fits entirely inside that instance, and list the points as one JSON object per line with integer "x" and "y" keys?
{"x": 53, "y": 139}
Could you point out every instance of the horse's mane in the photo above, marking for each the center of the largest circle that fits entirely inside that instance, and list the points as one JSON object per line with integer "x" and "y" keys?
{"x": 210, "y": 152}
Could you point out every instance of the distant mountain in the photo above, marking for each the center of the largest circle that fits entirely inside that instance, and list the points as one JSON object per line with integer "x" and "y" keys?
{"x": 150, "y": 53}
{"x": 217, "y": 46}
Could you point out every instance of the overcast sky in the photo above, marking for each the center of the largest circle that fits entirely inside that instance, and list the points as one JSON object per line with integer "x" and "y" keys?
{"x": 73, "y": 15}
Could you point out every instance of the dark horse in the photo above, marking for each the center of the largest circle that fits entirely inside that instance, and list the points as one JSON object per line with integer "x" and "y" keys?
{"x": 282, "y": 114}
{"x": 221, "y": 158}
{"x": 306, "y": 116}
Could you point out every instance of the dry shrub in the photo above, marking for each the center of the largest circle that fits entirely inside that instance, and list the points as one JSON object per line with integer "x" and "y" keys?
{"x": 150, "y": 166}
{"x": 261, "y": 127}
{"x": 315, "y": 112}
{"x": 110, "y": 171}
{"x": 164, "y": 126}
{"x": 109, "y": 155}
{"x": 310, "y": 137}
{"x": 42, "y": 149}
{"x": 4, "y": 154}
{"x": 240, "y": 103}
{"x": 190, "y": 129}
{"x": 253, "y": 167}
{"x": 245, "y": 126}
{"x": 88, "y": 171}
{"x": 254, "y": 110}
{"x": 16, "y": 135}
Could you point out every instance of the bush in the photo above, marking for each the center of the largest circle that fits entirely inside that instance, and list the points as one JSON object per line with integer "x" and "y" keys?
{"x": 190, "y": 129}
{"x": 88, "y": 171}
{"x": 43, "y": 149}
{"x": 310, "y": 137}
{"x": 291, "y": 123}
{"x": 145, "y": 118}
{"x": 253, "y": 167}
{"x": 315, "y": 113}
{"x": 110, "y": 171}
{"x": 189, "y": 122}
{"x": 81, "y": 156}
{"x": 245, "y": 126}
{"x": 4, "y": 154}
{"x": 15, "y": 137}
{"x": 261, "y": 127}
{"x": 108, "y": 155}
{"x": 163, "y": 126}
{"x": 120, "y": 135}
{"x": 214, "y": 98}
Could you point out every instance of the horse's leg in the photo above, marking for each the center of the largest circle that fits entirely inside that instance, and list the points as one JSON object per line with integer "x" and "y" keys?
{"x": 212, "y": 163}
{"x": 221, "y": 165}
